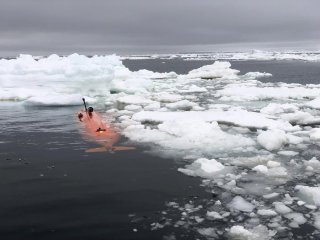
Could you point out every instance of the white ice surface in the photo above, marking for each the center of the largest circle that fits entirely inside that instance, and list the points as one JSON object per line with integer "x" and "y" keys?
{"x": 240, "y": 204}
{"x": 239, "y": 117}
{"x": 51, "y": 80}
{"x": 206, "y": 168}
{"x": 272, "y": 139}
{"x": 259, "y": 232}
{"x": 308, "y": 194}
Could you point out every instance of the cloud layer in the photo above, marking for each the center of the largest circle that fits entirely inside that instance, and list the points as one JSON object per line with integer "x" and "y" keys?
{"x": 133, "y": 26}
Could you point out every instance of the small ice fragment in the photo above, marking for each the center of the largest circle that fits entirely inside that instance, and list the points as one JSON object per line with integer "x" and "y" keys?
{"x": 239, "y": 232}
{"x": 202, "y": 167}
{"x": 310, "y": 195}
{"x": 272, "y": 139}
{"x": 315, "y": 134}
{"x": 266, "y": 212}
{"x": 296, "y": 217}
{"x": 316, "y": 223}
{"x": 214, "y": 215}
{"x": 312, "y": 164}
{"x": 288, "y": 153}
{"x": 272, "y": 164}
{"x": 259, "y": 232}
{"x": 281, "y": 208}
{"x": 240, "y": 204}
{"x": 261, "y": 169}
{"x": 271, "y": 195}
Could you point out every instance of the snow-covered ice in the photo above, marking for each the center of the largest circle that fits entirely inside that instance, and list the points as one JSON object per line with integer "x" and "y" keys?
{"x": 240, "y": 204}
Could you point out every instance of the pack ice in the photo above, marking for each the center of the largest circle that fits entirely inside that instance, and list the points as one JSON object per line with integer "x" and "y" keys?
{"x": 253, "y": 144}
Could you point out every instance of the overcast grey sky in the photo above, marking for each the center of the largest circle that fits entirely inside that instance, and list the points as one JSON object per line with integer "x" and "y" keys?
{"x": 149, "y": 26}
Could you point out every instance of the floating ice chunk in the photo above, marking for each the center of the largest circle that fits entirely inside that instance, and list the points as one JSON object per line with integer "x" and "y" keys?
{"x": 203, "y": 168}
{"x": 251, "y": 161}
{"x": 273, "y": 164}
{"x": 189, "y": 135}
{"x": 271, "y": 195}
{"x": 181, "y": 105}
{"x": 300, "y": 118}
{"x": 316, "y": 223}
{"x": 255, "y": 75}
{"x": 315, "y": 134}
{"x": 261, "y": 169}
{"x": 239, "y": 204}
{"x": 281, "y": 208}
{"x": 297, "y": 218}
{"x": 276, "y": 108}
{"x": 259, "y": 232}
{"x": 288, "y": 153}
{"x": 56, "y": 76}
{"x": 308, "y": 194}
{"x": 214, "y": 215}
{"x": 239, "y": 232}
{"x": 266, "y": 212}
{"x": 293, "y": 139}
{"x": 313, "y": 163}
{"x": 272, "y": 172}
{"x": 279, "y": 172}
{"x": 218, "y": 69}
{"x": 272, "y": 139}
{"x": 241, "y": 118}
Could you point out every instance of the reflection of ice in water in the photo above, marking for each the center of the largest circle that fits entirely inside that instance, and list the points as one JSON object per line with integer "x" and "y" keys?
{"x": 254, "y": 144}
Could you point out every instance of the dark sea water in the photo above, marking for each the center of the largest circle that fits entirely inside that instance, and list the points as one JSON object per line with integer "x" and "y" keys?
{"x": 52, "y": 189}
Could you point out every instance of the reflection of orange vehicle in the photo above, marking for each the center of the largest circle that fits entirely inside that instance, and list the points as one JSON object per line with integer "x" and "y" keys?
{"x": 99, "y": 131}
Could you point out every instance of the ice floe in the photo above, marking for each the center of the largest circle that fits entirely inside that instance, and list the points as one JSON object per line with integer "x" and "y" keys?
{"x": 258, "y": 232}
{"x": 308, "y": 194}
{"x": 240, "y": 204}
{"x": 272, "y": 139}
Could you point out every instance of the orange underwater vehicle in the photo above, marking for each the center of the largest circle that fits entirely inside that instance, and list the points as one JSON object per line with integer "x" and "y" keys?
{"x": 99, "y": 131}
